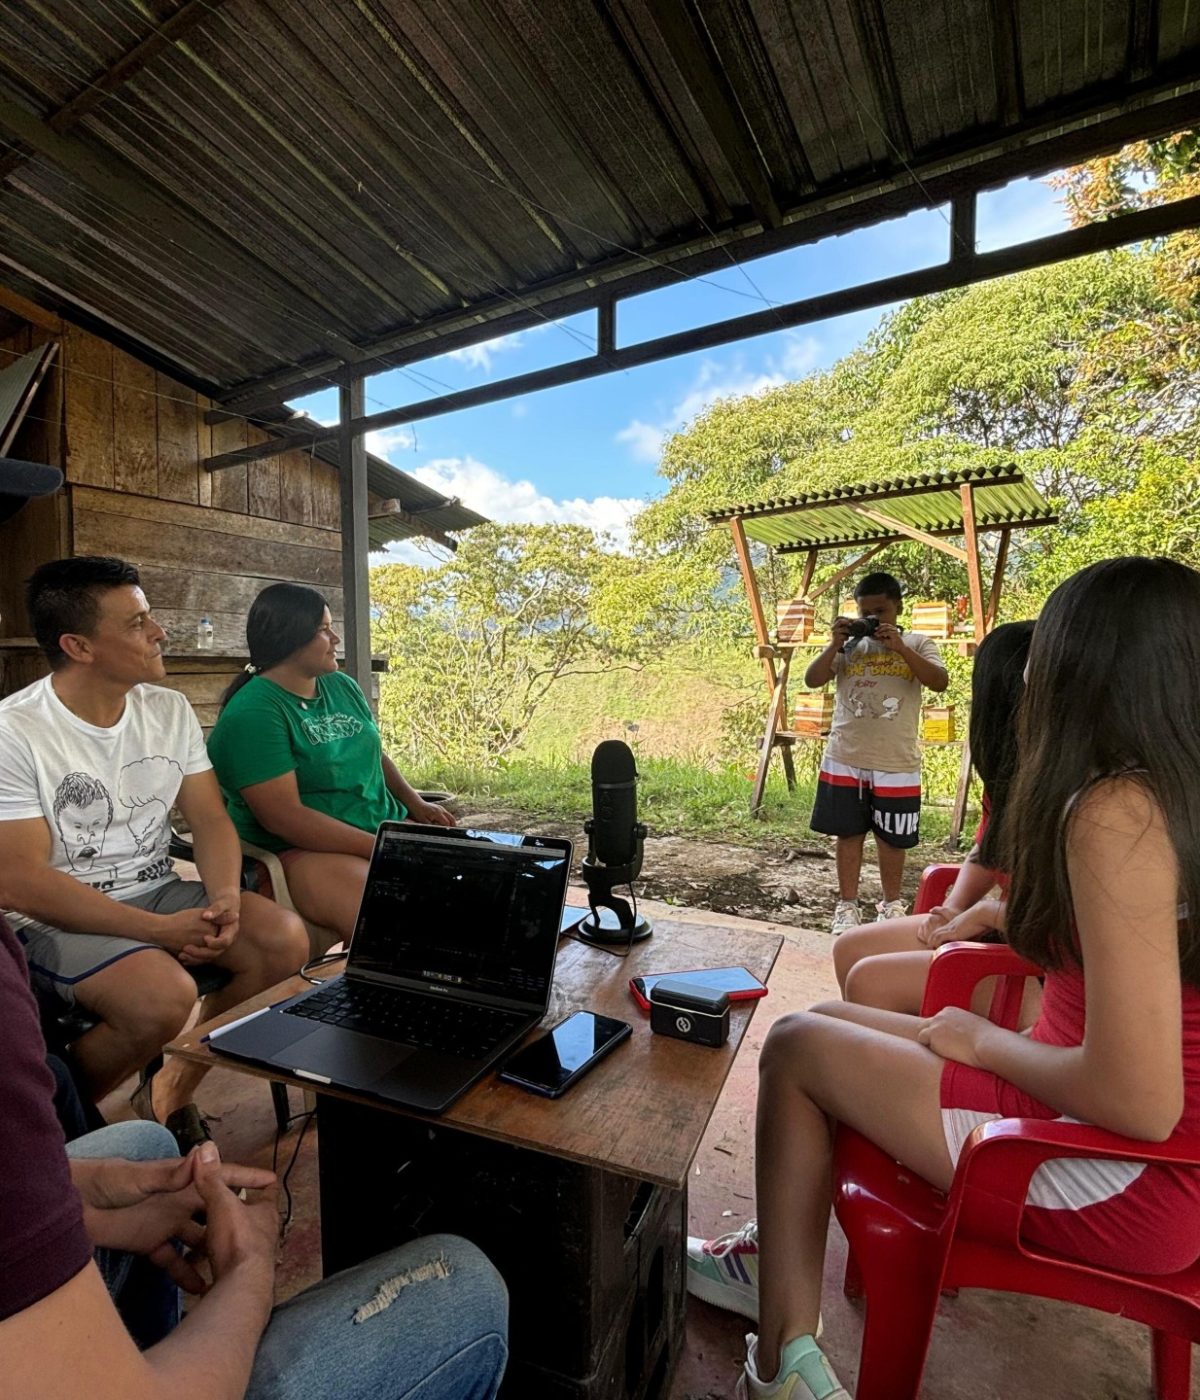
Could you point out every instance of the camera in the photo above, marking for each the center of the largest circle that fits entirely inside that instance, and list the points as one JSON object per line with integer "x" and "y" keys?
{"x": 862, "y": 627}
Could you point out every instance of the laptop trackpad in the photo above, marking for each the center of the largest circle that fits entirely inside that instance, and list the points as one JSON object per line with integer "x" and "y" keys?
{"x": 354, "y": 1060}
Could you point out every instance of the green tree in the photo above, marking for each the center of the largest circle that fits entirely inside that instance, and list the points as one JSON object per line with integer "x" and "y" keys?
{"x": 476, "y": 646}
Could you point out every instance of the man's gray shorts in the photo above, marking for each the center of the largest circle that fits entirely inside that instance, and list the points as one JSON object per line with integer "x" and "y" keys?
{"x": 58, "y": 960}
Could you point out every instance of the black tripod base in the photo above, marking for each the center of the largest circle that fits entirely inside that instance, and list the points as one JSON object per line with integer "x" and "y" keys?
{"x": 602, "y": 926}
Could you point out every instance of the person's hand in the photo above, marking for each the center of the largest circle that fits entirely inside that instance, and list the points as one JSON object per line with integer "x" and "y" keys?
{"x": 840, "y": 632}
{"x": 931, "y": 923}
{"x": 955, "y": 1034}
{"x": 968, "y": 927}
{"x": 186, "y": 934}
{"x": 889, "y": 635}
{"x": 431, "y": 813}
{"x": 242, "y": 1234}
{"x": 143, "y": 1207}
{"x": 223, "y": 916}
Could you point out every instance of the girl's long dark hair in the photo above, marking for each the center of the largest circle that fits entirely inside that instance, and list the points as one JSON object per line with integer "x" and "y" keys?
{"x": 997, "y": 685}
{"x": 282, "y": 619}
{"x": 1112, "y": 690}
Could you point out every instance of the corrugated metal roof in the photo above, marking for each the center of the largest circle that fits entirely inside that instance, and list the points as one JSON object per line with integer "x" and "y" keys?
{"x": 432, "y": 510}
{"x": 261, "y": 194}
{"x": 933, "y": 504}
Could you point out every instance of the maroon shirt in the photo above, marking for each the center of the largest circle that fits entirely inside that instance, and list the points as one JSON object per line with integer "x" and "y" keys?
{"x": 42, "y": 1240}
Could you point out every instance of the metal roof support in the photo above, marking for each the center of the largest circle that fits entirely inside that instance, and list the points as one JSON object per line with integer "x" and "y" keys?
{"x": 356, "y": 583}
{"x": 1154, "y": 222}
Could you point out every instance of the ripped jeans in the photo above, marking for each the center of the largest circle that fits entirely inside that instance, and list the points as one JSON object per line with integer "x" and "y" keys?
{"x": 425, "y": 1321}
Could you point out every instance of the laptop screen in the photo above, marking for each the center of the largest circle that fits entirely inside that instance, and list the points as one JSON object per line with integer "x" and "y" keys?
{"x": 473, "y": 911}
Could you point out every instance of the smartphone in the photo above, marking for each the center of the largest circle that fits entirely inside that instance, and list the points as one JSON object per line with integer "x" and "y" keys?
{"x": 553, "y": 1062}
{"x": 740, "y": 984}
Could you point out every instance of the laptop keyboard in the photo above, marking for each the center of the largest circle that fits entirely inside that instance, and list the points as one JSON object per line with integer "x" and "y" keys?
{"x": 451, "y": 1027}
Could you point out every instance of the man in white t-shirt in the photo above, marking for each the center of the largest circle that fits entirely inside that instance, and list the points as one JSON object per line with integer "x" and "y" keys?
{"x": 92, "y": 759}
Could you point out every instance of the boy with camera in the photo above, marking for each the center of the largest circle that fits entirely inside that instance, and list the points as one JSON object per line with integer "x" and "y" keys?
{"x": 870, "y": 777}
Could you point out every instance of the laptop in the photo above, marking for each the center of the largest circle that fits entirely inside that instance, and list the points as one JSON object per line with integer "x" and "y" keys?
{"x": 450, "y": 965}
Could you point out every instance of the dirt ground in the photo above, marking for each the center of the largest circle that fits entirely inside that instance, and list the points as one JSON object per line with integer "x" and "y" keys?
{"x": 779, "y": 881}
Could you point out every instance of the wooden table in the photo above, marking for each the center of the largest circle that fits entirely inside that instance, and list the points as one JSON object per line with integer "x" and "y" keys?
{"x": 579, "y": 1201}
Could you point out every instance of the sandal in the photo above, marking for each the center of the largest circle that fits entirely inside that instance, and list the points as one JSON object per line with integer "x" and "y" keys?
{"x": 187, "y": 1125}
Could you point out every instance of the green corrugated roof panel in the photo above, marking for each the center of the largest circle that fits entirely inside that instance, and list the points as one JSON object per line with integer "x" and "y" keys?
{"x": 930, "y": 503}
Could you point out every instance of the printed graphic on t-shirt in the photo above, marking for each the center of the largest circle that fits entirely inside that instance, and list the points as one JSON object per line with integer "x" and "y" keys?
{"x": 83, "y": 814}
{"x": 325, "y": 729}
{"x": 862, "y": 687}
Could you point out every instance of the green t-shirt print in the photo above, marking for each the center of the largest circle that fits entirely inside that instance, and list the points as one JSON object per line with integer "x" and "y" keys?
{"x": 330, "y": 742}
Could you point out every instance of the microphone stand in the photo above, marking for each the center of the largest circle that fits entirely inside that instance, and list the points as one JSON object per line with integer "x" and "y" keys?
{"x": 600, "y": 879}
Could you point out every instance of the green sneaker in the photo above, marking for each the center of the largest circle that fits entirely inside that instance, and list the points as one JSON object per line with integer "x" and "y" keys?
{"x": 804, "y": 1374}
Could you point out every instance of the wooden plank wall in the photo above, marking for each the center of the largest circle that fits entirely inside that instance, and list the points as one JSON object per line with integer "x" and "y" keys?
{"x": 131, "y": 441}
{"x": 40, "y": 530}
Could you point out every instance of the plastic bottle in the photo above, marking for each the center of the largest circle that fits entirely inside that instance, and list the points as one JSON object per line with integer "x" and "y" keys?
{"x": 204, "y": 634}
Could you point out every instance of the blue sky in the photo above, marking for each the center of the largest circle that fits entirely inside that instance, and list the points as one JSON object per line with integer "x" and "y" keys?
{"x": 588, "y": 452}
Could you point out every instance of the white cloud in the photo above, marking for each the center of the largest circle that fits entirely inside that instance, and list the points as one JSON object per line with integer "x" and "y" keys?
{"x": 480, "y": 356}
{"x": 714, "y": 381}
{"x": 388, "y": 441}
{"x": 483, "y": 489}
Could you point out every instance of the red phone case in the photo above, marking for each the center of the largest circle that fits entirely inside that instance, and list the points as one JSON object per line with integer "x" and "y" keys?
{"x": 748, "y": 994}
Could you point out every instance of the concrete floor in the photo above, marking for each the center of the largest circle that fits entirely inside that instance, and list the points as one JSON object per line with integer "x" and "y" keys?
{"x": 980, "y": 1339}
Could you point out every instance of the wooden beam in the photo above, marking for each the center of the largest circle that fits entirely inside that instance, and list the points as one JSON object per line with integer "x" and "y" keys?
{"x": 774, "y": 712}
{"x": 963, "y": 239}
{"x": 393, "y": 510}
{"x": 810, "y": 565}
{"x": 974, "y": 575}
{"x": 30, "y": 311}
{"x": 835, "y": 579}
{"x": 960, "y": 796}
{"x": 1151, "y": 222}
{"x": 130, "y": 63}
{"x": 912, "y": 533}
{"x": 993, "y": 607}
{"x": 685, "y": 34}
{"x": 356, "y": 582}
{"x": 761, "y": 635}
{"x": 1170, "y": 108}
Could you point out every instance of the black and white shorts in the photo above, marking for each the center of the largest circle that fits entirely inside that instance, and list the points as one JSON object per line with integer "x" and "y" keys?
{"x": 853, "y": 801}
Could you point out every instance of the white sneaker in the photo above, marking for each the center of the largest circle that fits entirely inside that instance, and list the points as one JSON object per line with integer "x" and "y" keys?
{"x": 724, "y": 1271}
{"x": 890, "y": 909}
{"x": 845, "y": 916}
{"x": 804, "y": 1374}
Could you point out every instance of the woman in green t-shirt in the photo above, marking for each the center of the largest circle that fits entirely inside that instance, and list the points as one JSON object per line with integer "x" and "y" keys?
{"x": 300, "y": 761}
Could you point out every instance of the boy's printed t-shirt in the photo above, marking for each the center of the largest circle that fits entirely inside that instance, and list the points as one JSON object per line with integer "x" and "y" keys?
{"x": 876, "y": 717}
{"x": 106, "y": 794}
{"x": 330, "y": 742}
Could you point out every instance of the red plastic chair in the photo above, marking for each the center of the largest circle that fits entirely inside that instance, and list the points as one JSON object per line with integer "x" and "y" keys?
{"x": 910, "y": 1242}
{"x": 936, "y": 883}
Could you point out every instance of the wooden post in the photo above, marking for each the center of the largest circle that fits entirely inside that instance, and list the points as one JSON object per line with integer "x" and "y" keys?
{"x": 850, "y": 568}
{"x": 993, "y": 607}
{"x": 810, "y": 564}
{"x": 974, "y": 577}
{"x": 356, "y": 585}
{"x": 775, "y": 710}
{"x": 757, "y": 616}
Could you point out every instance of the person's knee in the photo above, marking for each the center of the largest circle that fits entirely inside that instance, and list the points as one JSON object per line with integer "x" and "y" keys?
{"x": 277, "y": 935}
{"x": 847, "y": 950}
{"x": 146, "y": 998}
{"x": 867, "y": 983}
{"x": 786, "y": 1040}
{"x": 136, "y": 1140}
{"x": 481, "y": 1292}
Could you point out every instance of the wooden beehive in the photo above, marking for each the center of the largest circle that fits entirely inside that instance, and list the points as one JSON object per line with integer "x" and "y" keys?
{"x": 813, "y": 714}
{"x": 932, "y": 619}
{"x": 794, "y": 620}
{"x": 937, "y": 724}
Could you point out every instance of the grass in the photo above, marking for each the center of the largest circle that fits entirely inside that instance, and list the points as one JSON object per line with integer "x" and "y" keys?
{"x": 676, "y": 797}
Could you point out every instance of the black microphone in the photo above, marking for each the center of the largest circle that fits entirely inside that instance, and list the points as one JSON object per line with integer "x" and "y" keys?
{"x": 614, "y": 804}
{"x": 615, "y": 847}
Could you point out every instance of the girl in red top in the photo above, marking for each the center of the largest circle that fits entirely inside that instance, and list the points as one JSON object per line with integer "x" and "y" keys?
{"x": 885, "y": 964}
{"x": 1102, "y": 839}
